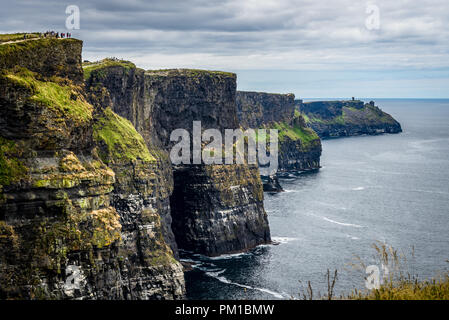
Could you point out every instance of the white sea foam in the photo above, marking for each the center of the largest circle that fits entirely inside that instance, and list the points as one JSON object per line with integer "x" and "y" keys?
{"x": 230, "y": 256}
{"x": 358, "y": 188}
{"x": 342, "y": 223}
{"x": 282, "y": 240}
{"x": 217, "y": 275}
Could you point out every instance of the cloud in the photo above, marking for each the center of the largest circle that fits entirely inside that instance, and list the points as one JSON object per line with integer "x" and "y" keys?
{"x": 250, "y": 34}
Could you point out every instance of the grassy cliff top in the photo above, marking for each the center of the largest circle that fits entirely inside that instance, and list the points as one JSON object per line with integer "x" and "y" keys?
{"x": 266, "y": 93}
{"x": 353, "y": 115}
{"x": 17, "y": 36}
{"x": 89, "y": 67}
{"x": 23, "y": 45}
{"x": 190, "y": 73}
{"x": 119, "y": 139}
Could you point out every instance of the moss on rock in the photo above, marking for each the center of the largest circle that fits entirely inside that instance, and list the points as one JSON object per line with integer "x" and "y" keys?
{"x": 98, "y": 67}
{"x": 12, "y": 169}
{"x": 119, "y": 140}
{"x": 60, "y": 96}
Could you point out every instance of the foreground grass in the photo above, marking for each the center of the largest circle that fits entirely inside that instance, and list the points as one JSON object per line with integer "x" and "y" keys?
{"x": 408, "y": 289}
{"x": 397, "y": 284}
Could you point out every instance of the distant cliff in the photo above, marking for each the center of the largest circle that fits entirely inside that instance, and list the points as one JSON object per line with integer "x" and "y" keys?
{"x": 299, "y": 146}
{"x": 215, "y": 209}
{"x": 347, "y": 118}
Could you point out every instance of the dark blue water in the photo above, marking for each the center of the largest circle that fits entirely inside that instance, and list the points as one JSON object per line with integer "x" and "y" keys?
{"x": 388, "y": 188}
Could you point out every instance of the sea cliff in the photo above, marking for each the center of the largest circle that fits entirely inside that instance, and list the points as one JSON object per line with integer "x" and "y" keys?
{"x": 347, "y": 118}
{"x": 215, "y": 209}
{"x": 299, "y": 146}
{"x": 79, "y": 188}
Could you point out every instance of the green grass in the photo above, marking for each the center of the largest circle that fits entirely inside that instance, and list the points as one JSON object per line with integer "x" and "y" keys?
{"x": 192, "y": 72}
{"x": 121, "y": 139}
{"x": 295, "y": 132}
{"x": 11, "y": 168}
{"x": 61, "y": 97}
{"x": 17, "y": 36}
{"x": 98, "y": 66}
{"x": 409, "y": 289}
{"x": 12, "y": 52}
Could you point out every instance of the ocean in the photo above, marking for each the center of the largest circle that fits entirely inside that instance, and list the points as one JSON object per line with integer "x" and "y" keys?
{"x": 390, "y": 189}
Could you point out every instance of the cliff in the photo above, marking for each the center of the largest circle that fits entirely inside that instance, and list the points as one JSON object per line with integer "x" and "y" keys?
{"x": 299, "y": 146}
{"x": 78, "y": 215}
{"x": 215, "y": 209}
{"x": 347, "y": 118}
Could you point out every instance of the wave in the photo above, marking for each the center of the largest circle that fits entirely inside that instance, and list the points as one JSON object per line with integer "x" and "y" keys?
{"x": 217, "y": 275}
{"x": 229, "y": 256}
{"x": 342, "y": 223}
{"x": 358, "y": 188}
{"x": 282, "y": 240}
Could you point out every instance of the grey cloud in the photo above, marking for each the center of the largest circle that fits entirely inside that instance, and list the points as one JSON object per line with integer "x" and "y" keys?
{"x": 268, "y": 34}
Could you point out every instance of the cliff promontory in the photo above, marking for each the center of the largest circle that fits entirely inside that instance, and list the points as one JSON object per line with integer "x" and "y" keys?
{"x": 347, "y": 118}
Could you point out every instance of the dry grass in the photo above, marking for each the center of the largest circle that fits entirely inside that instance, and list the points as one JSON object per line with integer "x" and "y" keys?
{"x": 399, "y": 283}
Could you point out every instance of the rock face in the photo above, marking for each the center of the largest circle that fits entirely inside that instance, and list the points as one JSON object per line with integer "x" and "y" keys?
{"x": 347, "y": 118}
{"x": 78, "y": 215}
{"x": 120, "y": 85}
{"x": 299, "y": 146}
{"x": 215, "y": 209}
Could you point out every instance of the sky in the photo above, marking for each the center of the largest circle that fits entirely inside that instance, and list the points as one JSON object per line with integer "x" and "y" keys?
{"x": 312, "y": 48}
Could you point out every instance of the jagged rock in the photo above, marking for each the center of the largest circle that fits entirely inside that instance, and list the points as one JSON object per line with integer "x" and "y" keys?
{"x": 271, "y": 184}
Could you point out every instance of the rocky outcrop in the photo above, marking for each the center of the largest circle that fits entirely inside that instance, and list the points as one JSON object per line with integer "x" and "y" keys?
{"x": 299, "y": 146}
{"x": 47, "y": 57}
{"x": 347, "y": 118}
{"x": 215, "y": 209}
{"x": 78, "y": 215}
{"x": 271, "y": 184}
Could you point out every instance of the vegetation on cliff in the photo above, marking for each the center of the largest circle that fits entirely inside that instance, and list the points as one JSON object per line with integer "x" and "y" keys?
{"x": 190, "y": 72}
{"x": 100, "y": 66}
{"x": 17, "y": 36}
{"x": 46, "y": 56}
{"x": 295, "y": 132}
{"x": 57, "y": 94}
{"x": 119, "y": 138}
{"x": 12, "y": 169}
{"x": 344, "y": 118}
